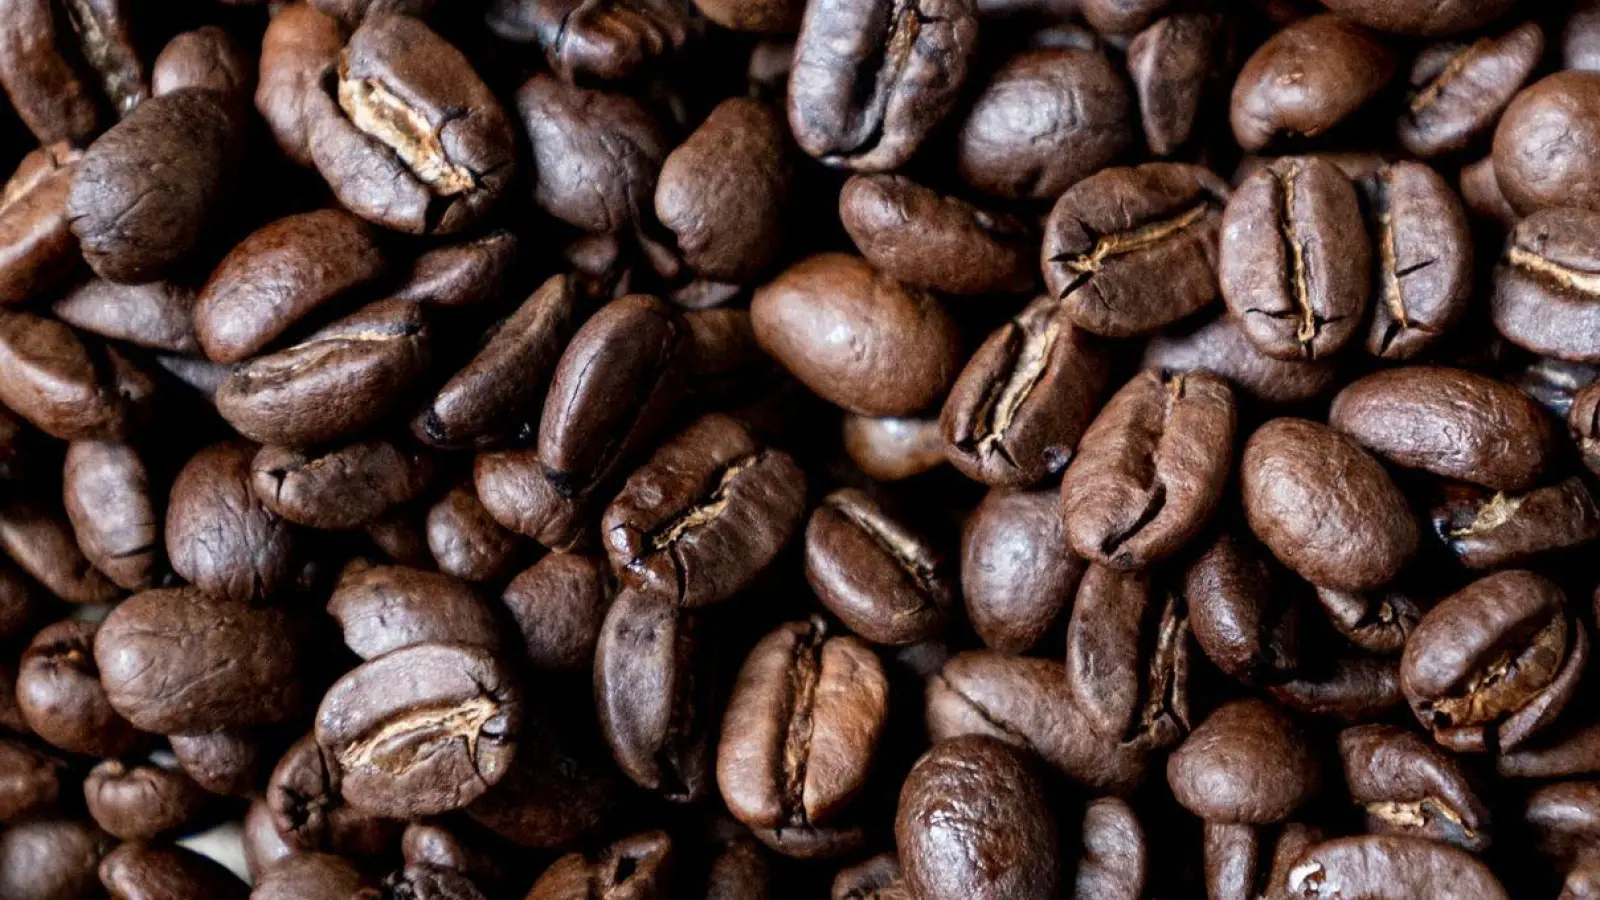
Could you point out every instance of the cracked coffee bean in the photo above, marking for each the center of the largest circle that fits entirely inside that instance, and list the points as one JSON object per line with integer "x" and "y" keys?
{"x": 1422, "y": 270}
{"x": 1545, "y": 297}
{"x": 1128, "y": 658}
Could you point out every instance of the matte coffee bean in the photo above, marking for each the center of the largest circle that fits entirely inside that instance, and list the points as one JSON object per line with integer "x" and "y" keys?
{"x": 313, "y": 876}
{"x": 299, "y": 51}
{"x": 856, "y": 337}
{"x": 143, "y": 801}
{"x": 1457, "y": 90}
{"x": 205, "y": 58}
{"x": 438, "y": 847}
{"x": 1494, "y": 663}
{"x": 559, "y": 605}
{"x": 1242, "y": 613}
{"x": 1545, "y": 298}
{"x": 63, "y": 60}
{"x": 555, "y": 793}
{"x": 1579, "y": 38}
{"x": 1451, "y": 422}
{"x": 219, "y": 536}
{"x": 139, "y": 871}
{"x": 226, "y": 761}
{"x": 891, "y": 449}
{"x": 426, "y": 881}
{"x": 1561, "y": 819}
{"x": 158, "y": 315}
{"x": 1543, "y": 146}
{"x": 1390, "y": 867}
{"x": 1046, "y": 120}
{"x": 637, "y": 867}
{"x": 178, "y": 661}
{"x": 802, "y": 727}
{"x": 384, "y": 608}
{"x": 60, "y": 696}
{"x": 1493, "y": 530}
{"x": 599, "y": 41}
{"x": 705, "y": 515}
{"x": 1016, "y": 412}
{"x": 40, "y": 541}
{"x": 1128, "y": 658}
{"x": 1248, "y": 763}
{"x": 1295, "y": 259}
{"x": 968, "y": 803}
{"x": 353, "y": 12}
{"x": 817, "y": 842}
{"x": 1480, "y": 190}
{"x": 918, "y": 236}
{"x": 1112, "y": 233}
{"x": 1244, "y": 861}
{"x": 1423, "y": 268}
{"x": 1018, "y": 576}
{"x": 1421, "y": 17}
{"x": 883, "y": 580}
{"x": 1305, "y": 80}
{"x": 1325, "y": 507}
{"x": 68, "y": 385}
{"x": 52, "y": 859}
{"x": 422, "y": 730}
{"x": 871, "y": 80}
{"x": 1150, "y": 469}
{"x": 1173, "y": 63}
{"x": 36, "y": 242}
{"x": 113, "y": 512}
{"x": 31, "y": 783}
{"x": 465, "y": 274}
{"x": 1221, "y": 347}
{"x": 345, "y": 487}
{"x": 1407, "y": 786}
{"x": 466, "y": 542}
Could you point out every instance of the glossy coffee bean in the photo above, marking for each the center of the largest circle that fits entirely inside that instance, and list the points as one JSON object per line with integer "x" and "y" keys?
{"x": 219, "y": 536}
{"x": 307, "y": 813}
{"x": 299, "y": 52}
{"x": 142, "y": 802}
{"x": 1222, "y": 347}
{"x": 158, "y": 315}
{"x": 883, "y": 580}
{"x": 890, "y": 449}
{"x": 52, "y": 859}
{"x": 205, "y": 58}
{"x": 637, "y": 867}
{"x": 139, "y": 871}
{"x": 1248, "y": 763}
{"x": 916, "y": 235}
{"x": 1128, "y": 658}
{"x": 32, "y": 782}
{"x": 35, "y": 235}
{"x": 1380, "y": 866}
{"x": 1306, "y": 79}
{"x": 1544, "y": 298}
{"x": 39, "y": 539}
{"x": 1408, "y": 786}
{"x": 384, "y": 608}
{"x": 603, "y": 41}
{"x": 1378, "y": 621}
{"x": 1423, "y": 269}
{"x": 465, "y": 541}
{"x": 312, "y": 876}
{"x": 60, "y": 697}
{"x": 1173, "y": 64}
{"x": 69, "y": 385}
{"x": 1534, "y": 170}
{"x": 1244, "y": 861}
{"x": 1489, "y": 531}
{"x": 1242, "y": 612}
{"x": 346, "y": 487}
{"x": 58, "y": 68}
{"x": 1018, "y": 576}
{"x": 226, "y": 761}
{"x": 1350, "y": 688}
{"x": 467, "y": 273}
{"x": 1458, "y": 89}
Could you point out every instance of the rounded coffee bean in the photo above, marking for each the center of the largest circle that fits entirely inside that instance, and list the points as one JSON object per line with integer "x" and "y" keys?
{"x": 1490, "y": 531}
{"x": 638, "y": 866}
{"x": 1295, "y": 260}
{"x": 1306, "y": 79}
{"x": 344, "y": 487}
{"x": 1128, "y": 658}
{"x": 384, "y": 608}
{"x": 1378, "y": 622}
{"x": 312, "y": 876}
{"x": 1115, "y": 861}
{"x": 1545, "y": 145}
{"x": 39, "y": 540}
{"x": 113, "y": 513}
{"x": 857, "y": 338}
{"x": 883, "y": 580}
{"x": 299, "y": 51}
{"x": 890, "y": 449}
{"x": 462, "y": 274}
{"x": 226, "y": 761}
{"x": 1046, "y": 119}
{"x": 143, "y": 801}
{"x": 1245, "y": 860}
{"x": 35, "y": 237}
{"x": 1018, "y": 575}
{"x": 422, "y": 730}
{"x": 139, "y": 871}
{"x": 1390, "y": 867}
{"x": 1150, "y": 469}
{"x": 239, "y": 664}
{"x": 60, "y": 696}
{"x": 1173, "y": 63}
{"x": 1458, "y": 89}
{"x": 559, "y": 604}
{"x": 218, "y": 534}
{"x": 1545, "y": 297}
{"x": 1421, "y": 17}
{"x": 557, "y": 791}
{"x": 1451, "y": 422}
{"x": 1480, "y": 190}
{"x": 1247, "y": 763}
{"x": 52, "y": 859}
{"x": 466, "y": 542}
{"x": 69, "y": 385}
{"x": 1410, "y": 787}
{"x": 605, "y": 42}
{"x": 1325, "y": 507}
{"x": 1130, "y": 250}
{"x": 1350, "y": 688}
{"x": 1241, "y": 612}
{"x": 158, "y": 315}
{"x": 308, "y": 813}
{"x": 51, "y": 57}
{"x": 30, "y": 781}
{"x": 968, "y": 803}
{"x": 1222, "y": 347}
{"x": 1562, "y": 820}
{"x": 877, "y": 878}
{"x": 1423, "y": 274}
{"x": 801, "y": 728}
{"x": 204, "y": 58}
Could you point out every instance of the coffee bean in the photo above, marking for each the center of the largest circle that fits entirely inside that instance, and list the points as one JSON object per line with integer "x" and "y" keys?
{"x": 1423, "y": 267}
{"x": 466, "y": 274}
{"x": 1584, "y": 420}
{"x": 1173, "y": 64}
{"x": 1542, "y": 145}
{"x": 113, "y": 513}
{"x": 219, "y": 536}
{"x": 68, "y": 385}
{"x": 1018, "y": 575}
{"x": 309, "y": 814}
{"x": 1115, "y": 861}
{"x": 158, "y": 315}
{"x": 891, "y": 449}
{"x": 1480, "y": 190}
{"x": 313, "y": 876}
{"x": 52, "y": 859}
{"x": 1390, "y": 866}
{"x": 1578, "y": 38}
{"x": 1244, "y": 861}
{"x": 604, "y": 41}
{"x": 1457, "y": 90}
{"x": 883, "y": 580}
{"x": 205, "y": 58}
{"x": 299, "y": 52}
{"x": 226, "y": 761}
{"x": 878, "y": 878}
{"x": 352, "y": 12}
{"x": 1350, "y": 688}
{"x": 142, "y": 802}
{"x": 62, "y": 61}
{"x": 1305, "y": 80}
{"x": 1378, "y": 622}
{"x": 35, "y": 236}
{"x": 514, "y": 491}
{"x": 1242, "y": 610}
{"x": 1544, "y": 297}
{"x": 1248, "y": 763}
{"x": 1409, "y": 787}
{"x": 39, "y": 539}
{"x": 557, "y": 790}
{"x": 559, "y": 605}
{"x": 139, "y": 871}
{"x": 60, "y": 696}
{"x": 1128, "y": 658}
{"x": 637, "y": 866}
{"x": 32, "y": 781}
{"x": 384, "y": 608}
{"x": 1561, "y": 819}
{"x": 1493, "y": 530}
{"x": 342, "y": 488}
{"x": 1222, "y": 347}
{"x": 466, "y": 542}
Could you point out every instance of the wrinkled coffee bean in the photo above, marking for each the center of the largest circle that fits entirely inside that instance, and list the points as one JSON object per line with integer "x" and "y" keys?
{"x": 36, "y": 243}
{"x": 919, "y": 236}
{"x": 299, "y": 51}
{"x": 68, "y": 385}
{"x": 1305, "y": 80}
{"x": 1422, "y": 266}
{"x": 637, "y": 867}
{"x": 219, "y": 536}
{"x": 1128, "y": 658}
{"x": 141, "y": 802}
{"x": 63, "y": 61}
{"x": 1407, "y": 786}
{"x": 1173, "y": 64}
{"x": 384, "y": 608}
{"x": 158, "y": 315}
{"x": 40, "y": 541}
{"x": 1387, "y": 866}
{"x": 343, "y": 488}
{"x": 1490, "y": 531}
{"x": 1247, "y": 763}
{"x": 52, "y": 859}
{"x": 1458, "y": 90}
{"x": 60, "y": 697}
{"x": 1241, "y": 614}
{"x": 1544, "y": 297}
{"x": 1223, "y": 348}
{"x": 1543, "y": 145}
{"x": 466, "y": 542}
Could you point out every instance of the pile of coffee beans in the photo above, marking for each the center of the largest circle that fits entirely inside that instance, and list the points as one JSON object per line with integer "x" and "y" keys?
{"x": 765, "y": 449}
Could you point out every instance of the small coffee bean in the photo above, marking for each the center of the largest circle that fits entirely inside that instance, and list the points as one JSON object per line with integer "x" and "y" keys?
{"x": 891, "y": 449}
{"x": 883, "y": 580}
{"x": 113, "y": 513}
{"x": 1248, "y": 763}
{"x": 466, "y": 542}
{"x": 142, "y": 802}
{"x": 1389, "y": 866}
{"x": 1584, "y": 419}
{"x": 60, "y": 696}
{"x": 1544, "y": 145}
{"x": 158, "y": 315}
{"x": 1242, "y": 612}
{"x": 61, "y": 60}
{"x": 426, "y": 881}
{"x": 1421, "y": 17}
{"x": 299, "y": 51}
{"x": 226, "y": 761}
{"x": 1306, "y": 79}
{"x": 604, "y": 41}
{"x": 1244, "y": 861}
{"x": 1423, "y": 267}
{"x": 559, "y": 605}
{"x": 1222, "y": 347}
{"x": 384, "y": 608}
{"x": 638, "y": 866}
{"x": 556, "y": 792}
{"x": 1115, "y": 860}
{"x": 1018, "y": 575}
{"x": 35, "y": 236}
{"x": 1128, "y": 658}
{"x": 1480, "y": 190}
{"x": 308, "y": 813}
{"x": 436, "y": 846}
{"x": 1457, "y": 90}
{"x": 1173, "y": 64}
{"x": 465, "y": 274}
{"x": 345, "y": 487}
{"x": 219, "y": 536}
{"x": 39, "y": 539}
{"x": 1493, "y": 530}
{"x": 877, "y": 878}
{"x": 1350, "y": 688}
{"x": 1562, "y": 820}
{"x": 515, "y": 492}
{"x": 139, "y": 871}
{"x": 1408, "y": 786}
{"x": 1545, "y": 298}
{"x": 68, "y": 385}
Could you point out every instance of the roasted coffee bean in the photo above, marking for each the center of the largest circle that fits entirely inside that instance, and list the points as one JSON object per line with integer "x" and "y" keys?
{"x": 345, "y": 487}
{"x": 559, "y": 605}
{"x": 1306, "y": 79}
{"x": 871, "y": 80}
{"x": 262, "y": 847}
{"x": 1389, "y": 866}
{"x": 436, "y": 846}
{"x": 335, "y": 383}
{"x": 1173, "y": 63}
{"x": 352, "y": 12}
{"x": 596, "y": 154}
{"x": 421, "y": 730}
{"x": 1150, "y": 469}
{"x": 651, "y": 695}
{"x": 1494, "y": 663}
{"x": 514, "y": 491}
{"x": 1562, "y": 820}
{"x": 967, "y": 803}
{"x": 1378, "y": 622}
{"x": 1046, "y": 119}
{"x": 1543, "y": 146}
{"x": 422, "y": 145}
{"x": 1244, "y": 861}
{"x": 139, "y": 871}
{"x": 883, "y": 580}
{"x": 63, "y": 60}
{"x": 1421, "y": 17}
{"x": 1451, "y": 422}
{"x": 1492, "y": 530}
{"x": 705, "y": 515}
{"x": 219, "y": 536}
{"x": 423, "y": 881}
{"x": 637, "y": 867}
{"x": 1480, "y": 190}
{"x": 142, "y": 802}
{"x": 1408, "y": 786}
{"x": 918, "y": 236}
{"x": 1295, "y": 258}
{"x": 20, "y": 602}
{"x": 299, "y": 52}
{"x": 1115, "y": 859}
{"x": 60, "y": 697}
{"x": 158, "y": 315}
{"x": 604, "y": 41}
{"x": 464, "y": 274}
{"x": 1018, "y": 576}
{"x": 1458, "y": 90}
{"x": 179, "y": 661}
{"x": 856, "y": 337}
{"x": 802, "y": 727}
{"x": 279, "y": 275}
{"x": 1222, "y": 347}
{"x": 1422, "y": 267}
{"x": 1351, "y": 688}
{"x": 1241, "y": 611}
{"x": 1554, "y": 383}
{"x": 52, "y": 859}
{"x": 1584, "y": 419}
{"x": 312, "y": 876}
{"x": 1116, "y": 235}
{"x": 36, "y": 243}
{"x": 555, "y": 792}
{"x": 384, "y": 608}
{"x": 226, "y": 761}
{"x": 466, "y": 542}
{"x": 1128, "y": 658}
{"x": 205, "y": 58}
{"x": 39, "y": 540}
{"x": 1248, "y": 763}
{"x": 148, "y": 189}
{"x": 30, "y": 781}
{"x": 1545, "y": 298}
{"x": 878, "y": 878}
{"x": 890, "y": 449}
{"x": 70, "y": 386}
{"x": 1018, "y": 409}
{"x": 308, "y": 813}
{"x": 1579, "y": 38}
{"x": 113, "y": 513}
{"x": 1560, "y": 754}
{"x": 1324, "y": 507}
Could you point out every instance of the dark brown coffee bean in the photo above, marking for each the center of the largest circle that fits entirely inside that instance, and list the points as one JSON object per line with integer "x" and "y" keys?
{"x": 219, "y": 536}
{"x": 1422, "y": 262}
{"x": 559, "y": 605}
{"x": 1128, "y": 658}
{"x": 20, "y": 603}
{"x": 352, "y": 12}
{"x": 177, "y": 661}
{"x": 434, "y": 845}
{"x": 1173, "y": 63}
{"x": 1379, "y": 622}
{"x": 516, "y": 493}
{"x": 346, "y": 487}
{"x": 1241, "y": 611}
{"x": 1046, "y": 119}
{"x": 113, "y": 511}
{"x": 1545, "y": 142}
{"x": 891, "y": 449}
{"x": 422, "y": 730}
{"x": 610, "y": 40}
{"x": 705, "y": 515}
{"x": 1458, "y": 89}
{"x": 1554, "y": 383}
{"x": 1584, "y": 419}
{"x": 1351, "y": 688}
{"x": 299, "y": 52}
{"x": 1421, "y": 17}
{"x": 1015, "y": 414}
{"x": 226, "y": 761}
{"x": 262, "y": 847}
{"x": 801, "y": 728}
{"x": 205, "y": 58}
{"x": 1408, "y": 786}
{"x": 61, "y": 60}
{"x": 1018, "y": 575}
{"x": 1306, "y": 79}
{"x": 30, "y": 781}
{"x": 465, "y": 274}
{"x": 1116, "y": 235}
{"x": 70, "y": 386}
{"x": 60, "y": 697}
{"x": 1295, "y": 259}
{"x": 1480, "y": 190}
{"x": 1561, "y": 819}
{"x": 36, "y": 243}
{"x": 968, "y": 802}
{"x": 883, "y": 580}
{"x": 142, "y": 802}
{"x": 918, "y": 236}
{"x": 1388, "y": 866}
{"x": 1248, "y": 763}
{"x": 878, "y": 878}
{"x": 466, "y": 542}
{"x": 312, "y": 876}
{"x": 1324, "y": 507}
{"x": 1490, "y": 531}
{"x": 309, "y": 814}
{"x": 1115, "y": 861}
{"x": 638, "y": 867}
{"x": 40, "y": 541}
{"x": 158, "y": 315}
{"x": 1545, "y": 296}
{"x": 335, "y": 383}
{"x": 857, "y": 338}
{"x": 556, "y": 791}
{"x": 139, "y": 871}
{"x": 147, "y": 190}
{"x": 1494, "y": 663}
{"x": 384, "y": 608}
{"x": 1221, "y": 347}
